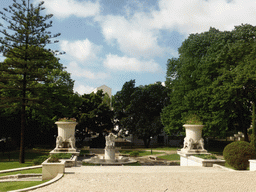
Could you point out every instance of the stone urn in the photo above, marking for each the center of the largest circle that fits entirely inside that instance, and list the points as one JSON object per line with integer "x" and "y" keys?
{"x": 65, "y": 141}
{"x": 193, "y": 142}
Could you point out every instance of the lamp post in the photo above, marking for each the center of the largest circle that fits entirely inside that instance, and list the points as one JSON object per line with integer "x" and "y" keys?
{"x": 151, "y": 144}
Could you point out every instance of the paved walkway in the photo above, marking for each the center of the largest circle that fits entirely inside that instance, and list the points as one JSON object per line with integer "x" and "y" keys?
{"x": 152, "y": 178}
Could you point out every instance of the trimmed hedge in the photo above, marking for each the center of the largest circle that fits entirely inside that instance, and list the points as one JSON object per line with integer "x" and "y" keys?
{"x": 238, "y": 153}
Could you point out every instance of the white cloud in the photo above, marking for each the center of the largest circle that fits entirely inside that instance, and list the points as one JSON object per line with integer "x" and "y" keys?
{"x": 78, "y": 71}
{"x": 81, "y": 50}
{"x": 81, "y": 89}
{"x": 195, "y": 16}
{"x": 133, "y": 36}
{"x": 66, "y": 8}
{"x": 115, "y": 62}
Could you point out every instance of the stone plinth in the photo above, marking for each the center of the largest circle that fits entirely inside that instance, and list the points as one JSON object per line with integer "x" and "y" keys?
{"x": 110, "y": 153}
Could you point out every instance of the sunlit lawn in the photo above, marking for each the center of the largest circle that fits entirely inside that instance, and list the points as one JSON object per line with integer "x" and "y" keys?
{"x": 171, "y": 157}
{"x": 39, "y": 170}
{"x": 13, "y": 164}
{"x": 9, "y": 186}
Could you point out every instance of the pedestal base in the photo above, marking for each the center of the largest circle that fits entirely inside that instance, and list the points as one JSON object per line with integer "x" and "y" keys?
{"x": 193, "y": 151}
{"x": 110, "y": 154}
{"x": 73, "y": 151}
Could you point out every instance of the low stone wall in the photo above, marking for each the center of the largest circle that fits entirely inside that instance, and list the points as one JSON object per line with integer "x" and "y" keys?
{"x": 51, "y": 170}
{"x": 190, "y": 160}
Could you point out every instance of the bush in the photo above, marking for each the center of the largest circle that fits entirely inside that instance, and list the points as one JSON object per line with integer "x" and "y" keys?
{"x": 238, "y": 153}
{"x": 40, "y": 160}
{"x": 134, "y": 154}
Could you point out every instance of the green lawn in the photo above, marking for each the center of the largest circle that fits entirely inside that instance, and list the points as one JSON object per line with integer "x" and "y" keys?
{"x": 9, "y": 186}
{"x": 141, "y": 153}
{"x": 13, "y": 164}
{"x": 30, "y": 154}
{"x": 172, "y": 157}
{"x": 39, "y": 170}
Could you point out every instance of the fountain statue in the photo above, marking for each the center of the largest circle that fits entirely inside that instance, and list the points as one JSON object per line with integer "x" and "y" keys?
{"x": 109, "y": 157}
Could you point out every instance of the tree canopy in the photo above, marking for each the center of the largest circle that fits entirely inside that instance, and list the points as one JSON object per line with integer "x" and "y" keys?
{"x": 139, "y": 109}
{"x": 29, "y": 65}
{"x": 215, "y": 78}
{"x": 93, "y": 114}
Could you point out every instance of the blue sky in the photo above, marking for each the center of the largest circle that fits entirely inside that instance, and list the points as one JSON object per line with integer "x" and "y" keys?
{"x": 113, "y": 41}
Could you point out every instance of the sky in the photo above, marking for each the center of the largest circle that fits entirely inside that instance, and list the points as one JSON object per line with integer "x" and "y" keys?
{"x": 110, "y": 42}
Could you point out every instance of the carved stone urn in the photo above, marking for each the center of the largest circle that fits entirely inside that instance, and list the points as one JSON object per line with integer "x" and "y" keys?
{"x": 65, "y": 141}
{"x": 193, "y": 142}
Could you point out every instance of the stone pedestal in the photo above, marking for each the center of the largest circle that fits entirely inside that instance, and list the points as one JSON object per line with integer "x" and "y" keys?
{"x": 110, "y": 153}
{"x": 65, "y": 141}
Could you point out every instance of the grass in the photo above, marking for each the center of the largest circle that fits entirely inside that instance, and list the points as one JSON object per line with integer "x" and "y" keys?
{"x": 133, "y": 164}
{"x": 30, "y": 154}
{"x": 9, "y": 186}
{"x": 172, "y": 157}
{"x": 90, "y": 164}
{"x": 13, "y": 164}
{"x": 141, "y": 153}
{"x": 39, "y": 170}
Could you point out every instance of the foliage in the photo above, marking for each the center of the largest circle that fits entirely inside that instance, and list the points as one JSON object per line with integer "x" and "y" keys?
{"x": 29, "y": 69}
{"x": 94, "y": 116}
{"x": 192, "y": 119}
{"x": 65, "y": 119}
{"x": 121, "y": 101}
{"x": 214, "y": 77}
{"x": 238, "y": 153}
{"x": 40, "y": 160}
{"x": 140, "y": 113}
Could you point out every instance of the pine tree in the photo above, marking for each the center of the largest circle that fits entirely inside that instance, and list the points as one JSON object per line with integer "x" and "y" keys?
{"x": 28, "y": 61}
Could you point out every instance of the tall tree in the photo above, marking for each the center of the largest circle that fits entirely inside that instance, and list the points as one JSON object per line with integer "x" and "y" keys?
{"x": 29, "y": 62}
{"x": 214, "y": 77}
{"x": 142, "y": 113}
{"x": 94, "y": 114}
{"x": 121, "y": 101}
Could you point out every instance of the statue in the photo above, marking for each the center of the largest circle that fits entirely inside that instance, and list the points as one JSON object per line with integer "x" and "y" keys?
{"x": 110, "y": 140}
{"x": 59, "y": 142}
{"x": 72, "y": 141}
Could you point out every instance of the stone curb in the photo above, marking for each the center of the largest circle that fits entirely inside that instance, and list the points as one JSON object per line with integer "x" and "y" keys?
{"x": 20, "y": 169}
{"x": 59, "y": 176}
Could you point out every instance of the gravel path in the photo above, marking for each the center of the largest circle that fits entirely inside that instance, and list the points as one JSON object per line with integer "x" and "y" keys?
{"x": 152, "y": 178}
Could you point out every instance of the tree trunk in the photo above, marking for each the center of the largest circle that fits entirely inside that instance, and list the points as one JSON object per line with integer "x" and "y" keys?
{"x": 253, "y": 136}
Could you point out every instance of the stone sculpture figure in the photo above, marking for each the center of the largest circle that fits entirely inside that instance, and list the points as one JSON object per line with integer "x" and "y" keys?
{"x": 59, "y": 142}
{"x": 201, "y": 144}
{"x": 110, "y": 140}
{"x": 72, "y": 142}
{"x": 188, "y": 143}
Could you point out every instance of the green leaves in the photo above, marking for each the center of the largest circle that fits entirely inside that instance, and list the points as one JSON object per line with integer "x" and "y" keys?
{"x": 215, "y": 77}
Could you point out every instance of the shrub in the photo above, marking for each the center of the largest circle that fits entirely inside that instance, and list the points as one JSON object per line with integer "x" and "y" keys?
{"x": 63, "y": 155}
{"x": 40, "y": 160}
{"x": 54, "y": 158}
{"x": 238, "y": 153}
{"x": 134, "y": 154}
